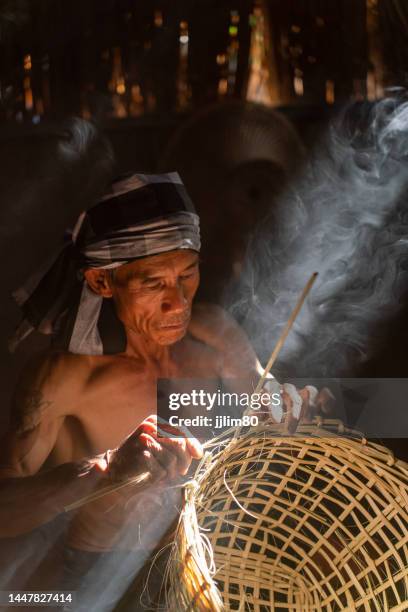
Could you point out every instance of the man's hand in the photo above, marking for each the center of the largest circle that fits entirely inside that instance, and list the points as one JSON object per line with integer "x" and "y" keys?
{"x": 103, "y": 523}
{"x": 298, "y": 405}
{"x": 156, "y": 447}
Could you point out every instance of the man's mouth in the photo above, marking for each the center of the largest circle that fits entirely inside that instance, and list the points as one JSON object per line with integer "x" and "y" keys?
{"x": 174, "y": 325}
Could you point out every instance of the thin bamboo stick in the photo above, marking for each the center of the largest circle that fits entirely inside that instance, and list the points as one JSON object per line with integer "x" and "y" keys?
{"x": 286, "y": 331}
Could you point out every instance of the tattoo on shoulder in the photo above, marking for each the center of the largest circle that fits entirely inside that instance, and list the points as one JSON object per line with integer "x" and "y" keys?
{"x": 30, "y": 409}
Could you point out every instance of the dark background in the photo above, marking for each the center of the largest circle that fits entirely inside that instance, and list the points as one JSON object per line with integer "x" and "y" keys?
{"x": 232, "y": 94}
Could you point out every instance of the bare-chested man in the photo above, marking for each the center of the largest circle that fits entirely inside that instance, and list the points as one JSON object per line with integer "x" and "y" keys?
{"x": 138, "y": 250}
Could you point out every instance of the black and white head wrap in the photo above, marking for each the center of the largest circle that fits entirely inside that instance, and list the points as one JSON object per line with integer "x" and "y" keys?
{"x": 142, "y": 215}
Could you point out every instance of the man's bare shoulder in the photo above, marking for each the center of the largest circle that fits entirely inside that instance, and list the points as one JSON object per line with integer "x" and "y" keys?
{"x": 78, "y": 375}
{"x": 213, "y": 325}
{"x": 51, "y": 368}
{"x": 107, "y": 370}
{"x": 46, "y": 386}
{"x": 209, "y": 315}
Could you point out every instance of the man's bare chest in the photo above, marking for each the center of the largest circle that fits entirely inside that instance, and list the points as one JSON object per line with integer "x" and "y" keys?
{"x": 117, "y": 400}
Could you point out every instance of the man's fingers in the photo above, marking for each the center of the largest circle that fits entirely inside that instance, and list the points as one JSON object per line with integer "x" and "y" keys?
{"x": 149, "y": 442}
{"x": 153, "y": 424}
{"x": 308, "y": 408}
{"x": 178, "y": 447}
{"x": 293, "y": 404}
{"x": 325, "y": 402}
{"x": 168, "y": 455}
{"x": 152, "y": 418}
{"x": 193, "y": 445}
{"x": 167, "y": 459}
{"x": 302, "y": 405}
{"x": 169, "y": 450}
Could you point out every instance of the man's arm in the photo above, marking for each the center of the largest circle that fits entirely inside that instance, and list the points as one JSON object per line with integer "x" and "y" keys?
{"x": 28, "y": 498}
{"x": 27, "y": 503}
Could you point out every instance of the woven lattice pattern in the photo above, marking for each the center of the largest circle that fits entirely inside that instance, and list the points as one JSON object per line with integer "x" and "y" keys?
{"x": 316, "y": 522}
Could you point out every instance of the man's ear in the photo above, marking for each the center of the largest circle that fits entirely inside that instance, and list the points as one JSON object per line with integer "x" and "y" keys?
{"x": 98, "y": 280}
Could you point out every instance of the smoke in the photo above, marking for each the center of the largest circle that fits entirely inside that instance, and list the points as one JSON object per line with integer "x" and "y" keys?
{"x": 346, "y": 217}
{"x": 78, "y": 140}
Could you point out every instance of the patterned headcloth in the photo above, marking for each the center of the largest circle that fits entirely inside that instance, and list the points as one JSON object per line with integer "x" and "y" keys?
{"x": 142, "y": 215}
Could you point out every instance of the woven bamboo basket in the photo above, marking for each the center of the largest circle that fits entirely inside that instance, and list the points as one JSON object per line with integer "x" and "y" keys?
{"x": 312, "y": 522}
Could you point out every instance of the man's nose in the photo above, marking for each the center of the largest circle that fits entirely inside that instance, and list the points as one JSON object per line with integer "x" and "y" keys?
{"x": 174, "y": 300}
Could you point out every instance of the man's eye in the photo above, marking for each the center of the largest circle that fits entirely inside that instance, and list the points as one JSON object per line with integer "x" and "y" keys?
{"x": 152, "y": 285}
{"x": 187, "y": 276}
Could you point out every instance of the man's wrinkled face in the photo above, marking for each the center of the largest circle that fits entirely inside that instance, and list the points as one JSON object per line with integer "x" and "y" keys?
{"x": 153, "y": 296}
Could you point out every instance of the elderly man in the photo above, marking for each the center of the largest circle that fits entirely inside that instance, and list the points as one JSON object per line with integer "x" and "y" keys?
{"x": 119, "y": 300}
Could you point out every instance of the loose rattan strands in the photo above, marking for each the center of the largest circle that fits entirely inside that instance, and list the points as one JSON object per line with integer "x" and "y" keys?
{"x": 312, "y": 522}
